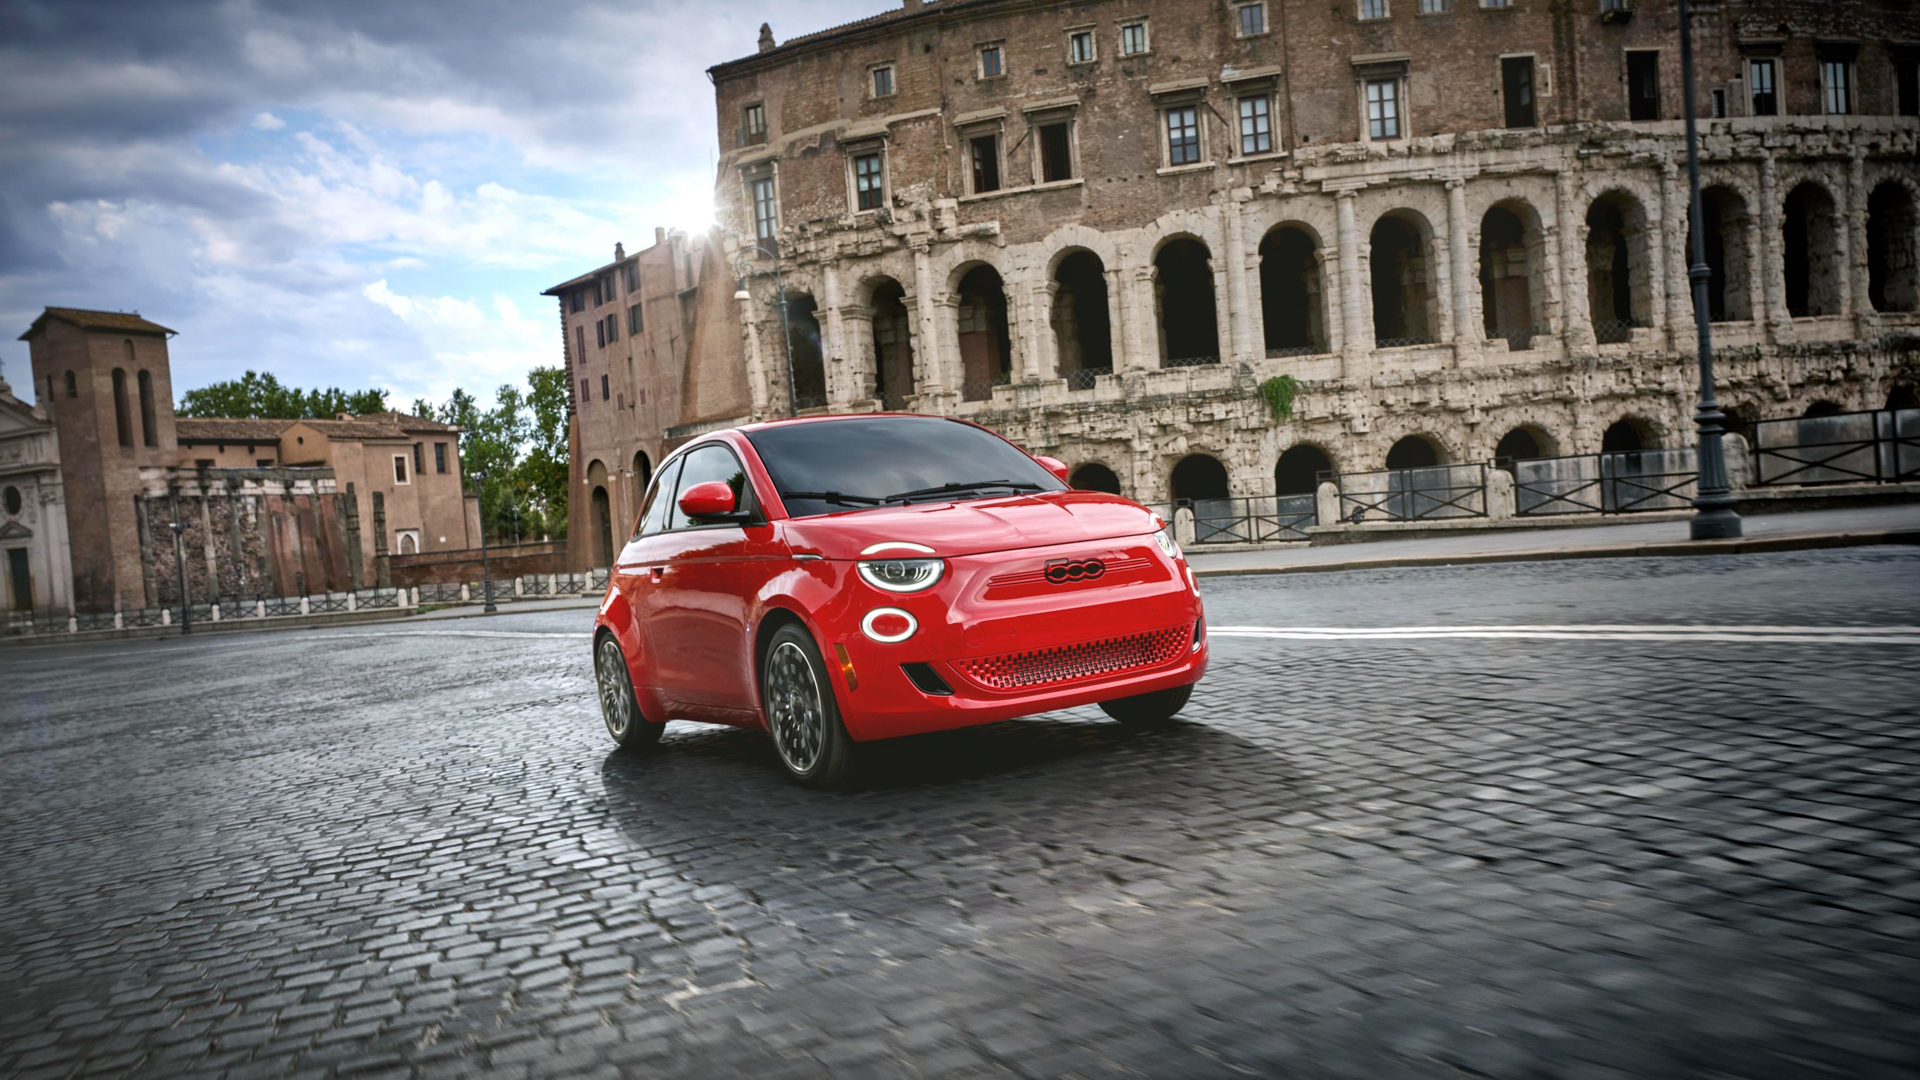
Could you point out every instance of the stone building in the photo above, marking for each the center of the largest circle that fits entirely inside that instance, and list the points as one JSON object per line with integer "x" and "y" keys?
{"x": 1458, "y": 227}
{"x": 37, "y": 575}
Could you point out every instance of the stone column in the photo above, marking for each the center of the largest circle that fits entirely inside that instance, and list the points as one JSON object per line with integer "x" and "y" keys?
{"x": 1046, "y": 353}
{"x": 927, "y": 350}
{"x": 1854, "y": 278}
{"x": 1467, "y": 330}
{"x": 1241, "y": 339}
{"x": 1577, "y": 317}
{"x": 1657, "y": 252}
{"x": 1441, "y": 287}
{"x": 1144, "y": 328}
{"x": 834, "y": 354}
{"x": 1353, "y": 298}
{"x": 209, "y": 550}
{"x": 1773, "y": 256}
{"x": 860, "y": 366}
{"x": 1117, "y": 316}
{"x": 382, "y": 568}
{"x": 1673, "y": 207}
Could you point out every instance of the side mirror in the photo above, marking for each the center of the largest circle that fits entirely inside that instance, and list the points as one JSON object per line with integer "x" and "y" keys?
{"x": 711, "y": 499}
{"x": 1055, "y": 466}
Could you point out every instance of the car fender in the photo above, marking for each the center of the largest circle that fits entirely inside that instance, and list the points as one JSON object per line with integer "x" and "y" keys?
{"x": 616, "y": 617}
{"x": 804, "y": 590}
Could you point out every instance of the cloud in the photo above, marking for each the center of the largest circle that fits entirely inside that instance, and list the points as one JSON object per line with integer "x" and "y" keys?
{"x": 266, "y": 121}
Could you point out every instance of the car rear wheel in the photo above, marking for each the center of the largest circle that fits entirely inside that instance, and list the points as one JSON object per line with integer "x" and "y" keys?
{"x": 801, "y": 714}
{"x": 618, "y": 706}
{"x": 1145, "y": 710}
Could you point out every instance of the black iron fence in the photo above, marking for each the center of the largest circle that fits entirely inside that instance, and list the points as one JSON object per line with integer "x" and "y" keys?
{"x": 1189, "y": 361}
{"x": 1613, "y": 331}
{"x": 1424, "y": 494}
{"x": 1880, "y": 446}
{"x": 1258, "y": 520}
{"x": 1614, "y": 483}
{"x": 1085, "y": 378}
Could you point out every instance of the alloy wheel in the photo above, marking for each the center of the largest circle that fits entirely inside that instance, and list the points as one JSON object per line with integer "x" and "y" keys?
{"x": 793, "y": 703}
{"x": 616, "y": 701}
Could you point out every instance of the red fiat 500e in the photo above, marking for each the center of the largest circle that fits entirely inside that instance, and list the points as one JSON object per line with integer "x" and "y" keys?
{"x": 842, "y": 579}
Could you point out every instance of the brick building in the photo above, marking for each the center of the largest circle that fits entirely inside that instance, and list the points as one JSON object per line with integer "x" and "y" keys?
{"x": 1460, "y": 227}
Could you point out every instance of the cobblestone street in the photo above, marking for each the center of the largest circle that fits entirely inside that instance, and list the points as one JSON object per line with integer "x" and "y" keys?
{"x": 408, "y": 850}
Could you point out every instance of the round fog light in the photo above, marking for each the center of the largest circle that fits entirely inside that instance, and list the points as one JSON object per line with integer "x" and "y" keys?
{"x": 888, "y": 625}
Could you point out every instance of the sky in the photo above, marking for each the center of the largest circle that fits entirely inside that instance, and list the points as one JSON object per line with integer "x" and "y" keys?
{"x": 353, "y": 193}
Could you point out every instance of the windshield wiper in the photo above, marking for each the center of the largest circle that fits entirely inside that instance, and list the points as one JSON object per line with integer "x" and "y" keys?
{"x": 964, "y": 485}
{"x": 835, "y": 497}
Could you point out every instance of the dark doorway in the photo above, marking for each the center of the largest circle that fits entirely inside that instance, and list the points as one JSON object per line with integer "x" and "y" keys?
{"x": 1610, "y": 269}
{"x": 1516, "y": 88}
{"x": 892, "y": 345}
{"x": 602, "y": 528}
{"x": 1095, "y": 477}
{"x": 1290, "y": 293}
{"x": 1622, "y": 438}
{"x": 642, "y": 476}
{"x": 1399, "y": 284}
{"x": 1891, "y": 284}
{"x": 986, "y": 346}
{"x": 1199, "y": 477}
{"x": 1517, "y": 445}
{"x": 1812, "y": 253}
{"x": 1823, "y": 408}
{"x": 1724, "y": 226}
{"x": 803, "y": 337}
{"x": 21, "y": 578}
{"x": 1643, "y": 85}
{"x": 1189, "y": 328}
{"x": 1081, "y": 327}
{"x": 1506, "y": 293}
{"x": 1412, "y": 452}
{"x": 1298, "y": 470}
{"x": 1903, "y": 397}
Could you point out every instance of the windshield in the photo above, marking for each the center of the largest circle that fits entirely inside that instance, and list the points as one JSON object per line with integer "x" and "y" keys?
{"x": 838, "y": 465}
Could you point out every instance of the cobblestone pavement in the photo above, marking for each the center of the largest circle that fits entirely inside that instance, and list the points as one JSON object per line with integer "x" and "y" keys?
{"x": 407, "y": 851}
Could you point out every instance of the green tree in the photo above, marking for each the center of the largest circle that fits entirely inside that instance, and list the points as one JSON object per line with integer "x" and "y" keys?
{"x": 490, "y": 446}
{"x": 543, "y": 471}
{"x": 264, "y": 397}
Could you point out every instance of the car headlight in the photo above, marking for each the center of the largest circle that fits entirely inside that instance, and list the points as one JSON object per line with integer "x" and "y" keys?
{"x": 1167, "y": 543}
{"x": 902, "y": 575}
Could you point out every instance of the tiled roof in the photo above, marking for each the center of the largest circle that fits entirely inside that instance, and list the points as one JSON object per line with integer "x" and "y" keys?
{"x": 126, "y": 322}
{"x": 224, "y": 429}
{"x": 377, "y": 426}
{"x": 411, "y": 423}
{"x": 368, "y": 428}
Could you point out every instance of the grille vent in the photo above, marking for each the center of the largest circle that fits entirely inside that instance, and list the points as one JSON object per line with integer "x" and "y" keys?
{"x": 1088, "y": 659}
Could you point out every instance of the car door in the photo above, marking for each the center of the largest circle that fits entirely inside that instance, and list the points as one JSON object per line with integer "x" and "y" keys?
{"x": 711, "y": 575}
{"x": 638, "y": 570}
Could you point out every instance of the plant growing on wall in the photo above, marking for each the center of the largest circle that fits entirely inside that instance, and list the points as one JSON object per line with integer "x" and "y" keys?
{"x": 1280, "y": 392}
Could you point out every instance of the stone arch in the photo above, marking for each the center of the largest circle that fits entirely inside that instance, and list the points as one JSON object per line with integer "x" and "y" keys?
{"x": 1523, "y": 442}
{"x": 893, "y": 381}
{"x": 1512, "y": 265}
{"x": 985, "y": 338}
{"x": 1416, "y": 451}
{"x": 1057, "y": 245}
{"x": 1724, "y": 224}
{"x": 1293, "y": 301}
{"x": 1298, "y": 469}
{"x": 1405, "y": 300}
{"x": 1629, "y": 434}
{"x": 408, "y": 545}
{"x": 1823, "y": 407}
{"x": 1093, "y": 476}
{"x": 1810, "y": 231}
{"x": 1620, "y": 265}
{"x": 1197, "y": 477}
{"x": 1184, "y": 305}
{"x": 1082, "y": 325}
{"x": 1891, "y": 261}
{"x": 803, "y": 339}
{"x": 642, "y": 476}
{"x": 602, "y": 527}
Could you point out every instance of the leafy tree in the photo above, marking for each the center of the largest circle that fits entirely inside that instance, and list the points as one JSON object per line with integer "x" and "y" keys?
{"x": 543, "y": 472}
{"x": 262, "y": 396}
{"x": 490, "y": 446}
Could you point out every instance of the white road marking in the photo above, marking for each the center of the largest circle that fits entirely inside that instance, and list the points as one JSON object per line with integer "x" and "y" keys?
{"x": 452, "y": 632}
{"x": 1868, "y": 635}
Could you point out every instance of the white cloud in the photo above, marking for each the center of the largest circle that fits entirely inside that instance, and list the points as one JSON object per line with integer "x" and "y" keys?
{"x": 266, "y": 121}
{"x": 466, "y": 342}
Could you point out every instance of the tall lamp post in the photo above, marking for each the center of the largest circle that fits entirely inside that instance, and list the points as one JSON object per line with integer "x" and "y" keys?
{"x": 180, "y": 569}
{"x": 486, "y": 572}
{"x": 743, "y": 270}
{"x": 1714, "y": 517}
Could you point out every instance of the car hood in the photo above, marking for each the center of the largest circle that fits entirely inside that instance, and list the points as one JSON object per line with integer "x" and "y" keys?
{"x": 975, "y": 526}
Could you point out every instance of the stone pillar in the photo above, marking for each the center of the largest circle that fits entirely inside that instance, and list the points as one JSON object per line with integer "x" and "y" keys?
{"x": 1854, "y": 278}
{"x": 1467, "y": 330}
{"x": 1658, "y": 251}
{"x": 927, "y": 349}
{"x": 1353, "y": 287}
{"x": 354, "y": 556}
{"x": 1143, "y": 327}
{"x": 1500, "y": 494}
{"x": 1326, "y": 503}
{"x": 1240, "y": 339}
{"x": 859, "y": 368}
{"x": 1046, "y": 352}
{"x": 1117, "y": 316}
{"x": 209, "y": 551}
{"x": 382, "y": 571}
{"x": 1578, "y": 318}
{"x": 1773, "y": 255}
{"x": 1674, "y": 202}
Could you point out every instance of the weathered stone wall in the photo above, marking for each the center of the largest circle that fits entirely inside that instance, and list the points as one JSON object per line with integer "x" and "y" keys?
{"x": 248, "y": 533}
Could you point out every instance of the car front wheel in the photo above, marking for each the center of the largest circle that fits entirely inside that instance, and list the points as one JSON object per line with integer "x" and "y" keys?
{"x": 1145, "y": 710}
{"x": 618, "y": 706}
{"x": 801, "y": 713}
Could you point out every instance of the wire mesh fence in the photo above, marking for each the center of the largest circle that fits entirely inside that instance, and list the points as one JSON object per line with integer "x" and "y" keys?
{"x": 1422, "y": 494}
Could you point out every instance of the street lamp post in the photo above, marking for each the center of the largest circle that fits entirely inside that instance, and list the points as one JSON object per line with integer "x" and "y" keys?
{"x": 486, "y": 572}
{"x": 1714, "y": 517}
{"x": 786, "y": 328}
{"x": 180, "y": 569}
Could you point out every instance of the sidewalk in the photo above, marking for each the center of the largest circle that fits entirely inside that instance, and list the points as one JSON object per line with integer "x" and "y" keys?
{"x": 1851, "y": 527}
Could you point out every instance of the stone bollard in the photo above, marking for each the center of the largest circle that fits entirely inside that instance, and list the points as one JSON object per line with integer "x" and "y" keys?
{"x": 216, "y": 612}
{"x": 119, "y": 621}
{"x": 73, "y": 624}
{"x": 1500, "y": 495}
{"x": 305, "y": 607}
{"x": 259, "y": 609}
{"x": 353, "y": 600}
{"x": 553, "y": 584}
{"x": 1183, "y": 526}
{"x": 466, "y": 594}
{"x": 1733, "y": 447}
{"x": 166, "y": 616}
{"x": 1326, "y": 503}
{"x": 519, "y": 586}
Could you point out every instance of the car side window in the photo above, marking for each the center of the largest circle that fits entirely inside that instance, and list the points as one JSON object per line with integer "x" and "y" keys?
{"x": 653, "y": 518}
{"x": 713, "y": 461}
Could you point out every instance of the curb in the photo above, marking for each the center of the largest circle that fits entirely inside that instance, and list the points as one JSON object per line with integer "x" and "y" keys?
{"x": 1743, "y": 546}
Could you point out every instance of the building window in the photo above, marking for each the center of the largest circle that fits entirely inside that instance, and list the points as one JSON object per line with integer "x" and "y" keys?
{"x": 579, "y": 344}
{"x": 419, "y": 457}
{"x": 148, "y": 431}
{"x": 992, "y": 62}
{"x": 984, "y": 154}
{"x": 73, "y": 388}
{"x": 1056, "y": 151}
{"x": 1080, "y": 47}
{"x": 123, "y": 420}
{"x": 1439, "y": 7}
{"x": 753, "y": 123}
{"x": 613, "y": 329}
{"x": 609, "y": 289}
{"x": 1383, "y": 108}
{"x": 634, "y": 320}
{"x": 1836, "y": 87}
{"x": 1256, "y": 126}
{"x": 440, "y": 457}
{"x": 603, "y": 388}
{"x": 1253, "y": 19}
{"x": 585, "y": 394}
{"x": 883, "y": 81}
{"x": 869, "y": 186}
{"x": 577, "y": 300}
{"x": 1760, "y": 78}
{"x": 600, "y": 333}
{"x": 1373, "y": 9}
{"x": 632, "y": 272}
{"x": 1496, "y": 3}
{"x": 1516, "y": 90}
{"x": 1133, "y": 39}
{"x": 765, "y": 218}
{"x": 1183, "y": 135}
{"x": 1719, "y": 104}
{"x": 1643, "y": 85}
{"x": 400, "y": 469}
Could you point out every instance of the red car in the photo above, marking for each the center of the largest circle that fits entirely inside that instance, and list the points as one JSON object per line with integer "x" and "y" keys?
{"x": 842, "y": 579}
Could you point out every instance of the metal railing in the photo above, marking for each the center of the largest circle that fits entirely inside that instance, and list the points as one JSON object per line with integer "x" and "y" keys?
{"x": 1519, "y": 339}
{"x": 1256, "y": 520}
{"x": 1423, "y": 494}
{"x": 377, "y": 598}
{"x": 1613, "y": 331}
{"x": 1879, "y": 446}
{"x": 437, "y": 592}
{"x": 1403, "y": 342}
{"x": 327, "y": 602}
{"x": 982, "y": 389}
{"x": 1295, "y": 350}
{"x": 1085, "y": 378}
{"x": 1622, "y": 482}
{"x": 1189, "y": 361}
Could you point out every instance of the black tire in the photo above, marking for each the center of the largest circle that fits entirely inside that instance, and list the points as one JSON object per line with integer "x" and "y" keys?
{"x": 1148, "y": 710}
{"x": 802, "y": 715}
{"x": 619, "y": 708}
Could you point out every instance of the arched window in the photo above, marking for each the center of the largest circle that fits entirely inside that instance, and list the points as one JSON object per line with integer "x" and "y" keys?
{"x": 1823, "y": 408}
{"x": 1618, "y": 267}
{"x": 602, "y": 527}
{"x": 1412, "y": 452}
{"x": 1724, "y": 224}
{"x": 803, "y": 337}
{"x": 1623, "y": 437}
{"x": 408, "y": 545}
{"x": 73, "y": 385}
{"x": 1521, "y": 444}
{"x": 1812, "y": 252}
{"x": 892, "y": 345}
{"x": 1402, "y": 287}
{"x": 148, "y": 432}
{"x": 1183, "y": 293}
{"x": 1891, "y": 284}
{"x": 1298, "y": 470}
{"x": 986, "y": 343}
{"x": 1081, "y": 326}
{"x": 1096, "y": 477}
{"x": 1292, "y": 304}
{"x": 642, "y": 476}
{"x": 1506, "y": 278}
{"x": 1200, "y": 483}
{"x": 122, "y": 415}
